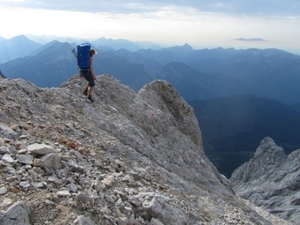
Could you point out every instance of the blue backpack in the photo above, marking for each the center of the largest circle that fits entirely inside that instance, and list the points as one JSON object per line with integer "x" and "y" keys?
{"x": 83, "y": 55}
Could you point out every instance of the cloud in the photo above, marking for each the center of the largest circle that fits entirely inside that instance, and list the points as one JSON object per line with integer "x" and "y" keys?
{"x": 245, "y": 7}
{"x": 250, "y": 39}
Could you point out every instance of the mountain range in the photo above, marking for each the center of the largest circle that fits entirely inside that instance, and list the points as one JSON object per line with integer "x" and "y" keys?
{"x": 270, "y": 73}
{"x": 261, "y": 79}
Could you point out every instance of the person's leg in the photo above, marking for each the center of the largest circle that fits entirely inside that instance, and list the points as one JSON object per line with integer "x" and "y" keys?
{"x": 90, "y": 86}
{"x": 85, "y": 92}
{"x": 85, "y": 75}
{"x": 91, "y": 89}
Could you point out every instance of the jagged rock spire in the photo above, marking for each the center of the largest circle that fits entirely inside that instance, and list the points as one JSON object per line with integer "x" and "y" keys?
{"x": 271, "y": 180}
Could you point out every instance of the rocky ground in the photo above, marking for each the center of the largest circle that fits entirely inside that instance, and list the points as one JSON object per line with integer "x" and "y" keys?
{"x": 126, "y": 159}
{"x": 271, "y": 179}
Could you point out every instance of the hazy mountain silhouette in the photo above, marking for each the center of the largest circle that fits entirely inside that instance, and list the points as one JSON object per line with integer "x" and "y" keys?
{"x": 45, "y": 47}
{"x": 194, "y": 85}
{"x": 116, "y": 44}
{"x": 166, "y": 55}
{"x": 54, "y": 63}
{"x": 217, "y": 53}
{"x": 137, "y": 58}
{"x": 272, "y": 73}
{"x": 100, "y": 43}
{"x": 131, "y": 74}
{"x": 232, "y": 127}
{"x": 16, "y": 47}
{"x": 49, "y": 68}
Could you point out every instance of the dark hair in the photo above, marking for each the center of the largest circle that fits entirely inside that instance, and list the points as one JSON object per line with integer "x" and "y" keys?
{"x": 92, "y": 52}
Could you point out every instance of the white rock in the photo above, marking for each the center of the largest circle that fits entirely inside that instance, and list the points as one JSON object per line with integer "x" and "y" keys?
{"x": 40, "y": 149}
{"x": 55, "y": 180}
{"x": 6, "y": 202}
{"x": 7, "y": 158}
{"x": 3, "y": 190}
{"x": 63, "y": 193}
{"x": 37, "y": 184}
{"x": 109, "y": 181}
{"x": 24, "y": 184}
{"x": 82, "y": 220}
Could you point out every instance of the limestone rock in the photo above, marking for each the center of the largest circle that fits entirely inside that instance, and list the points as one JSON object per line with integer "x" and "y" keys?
{"x": 155, "y": 222}
{"x": 17, "y": 214}
{"x": 159, "y": 207}
{"x": 63, "y": 193}
{"x": 40, "y": 149}
{"x": 7, "y": 132}
{"x": 109, "y": 181}
{"x": 3, "y": 190}
{"x": 25, "y": 159}
{"x": 128, "y": 158}
{"x": 271, "y": 180}
{"x": 51, "y": 161}
{"x": 82, "y": 220}
{"x": 6, "y": 202}
{"x": 7, "y": 158}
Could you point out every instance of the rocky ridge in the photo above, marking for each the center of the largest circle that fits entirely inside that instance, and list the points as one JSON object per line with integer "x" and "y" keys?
{"x": 271, "y": 180}
{"x": 126, "y": 159}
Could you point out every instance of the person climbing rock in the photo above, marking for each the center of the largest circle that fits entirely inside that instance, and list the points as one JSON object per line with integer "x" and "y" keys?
{"x": 89, "y": 75}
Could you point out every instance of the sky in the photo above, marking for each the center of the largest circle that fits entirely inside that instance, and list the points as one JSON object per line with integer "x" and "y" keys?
{"x": 202, "y": 24}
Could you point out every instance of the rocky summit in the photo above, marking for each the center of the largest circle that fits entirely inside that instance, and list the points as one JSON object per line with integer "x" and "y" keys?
{"x": 129, "y": 158}
{"x": 271, "y": 179}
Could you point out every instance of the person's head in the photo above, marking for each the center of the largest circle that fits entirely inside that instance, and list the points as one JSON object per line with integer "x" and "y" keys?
{"x": 92, "y": 52}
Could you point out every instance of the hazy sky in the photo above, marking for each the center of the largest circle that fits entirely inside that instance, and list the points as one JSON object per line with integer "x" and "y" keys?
{"x": 200, "y": 23}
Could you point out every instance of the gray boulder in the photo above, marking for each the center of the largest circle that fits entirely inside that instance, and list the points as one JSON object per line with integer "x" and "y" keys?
{"x": 18, "y": 213}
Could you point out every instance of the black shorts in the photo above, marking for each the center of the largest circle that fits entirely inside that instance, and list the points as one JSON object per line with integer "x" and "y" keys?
{"x": 88, "y": 76}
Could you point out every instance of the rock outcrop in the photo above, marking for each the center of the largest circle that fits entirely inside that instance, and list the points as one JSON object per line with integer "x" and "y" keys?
{"x": 126, "y": 159}
{"x": 271, "y": 179}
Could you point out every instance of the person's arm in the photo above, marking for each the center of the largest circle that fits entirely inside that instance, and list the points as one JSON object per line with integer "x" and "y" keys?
{"x": 91, "y": 68}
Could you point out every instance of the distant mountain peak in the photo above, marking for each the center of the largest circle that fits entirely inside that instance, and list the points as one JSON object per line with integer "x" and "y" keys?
{"x": 186, "y": 45}
{"x": 184, "y": 48}
{"x": 20, "y": 38}
{"x": 16, "y": 47}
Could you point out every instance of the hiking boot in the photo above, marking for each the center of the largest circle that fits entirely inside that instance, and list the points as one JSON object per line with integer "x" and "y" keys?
{"x": 90, "y": 98}
{"x": 85, "y": 92}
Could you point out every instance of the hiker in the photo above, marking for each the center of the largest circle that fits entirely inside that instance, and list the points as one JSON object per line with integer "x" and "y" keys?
{"x": 89, "y": 75}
